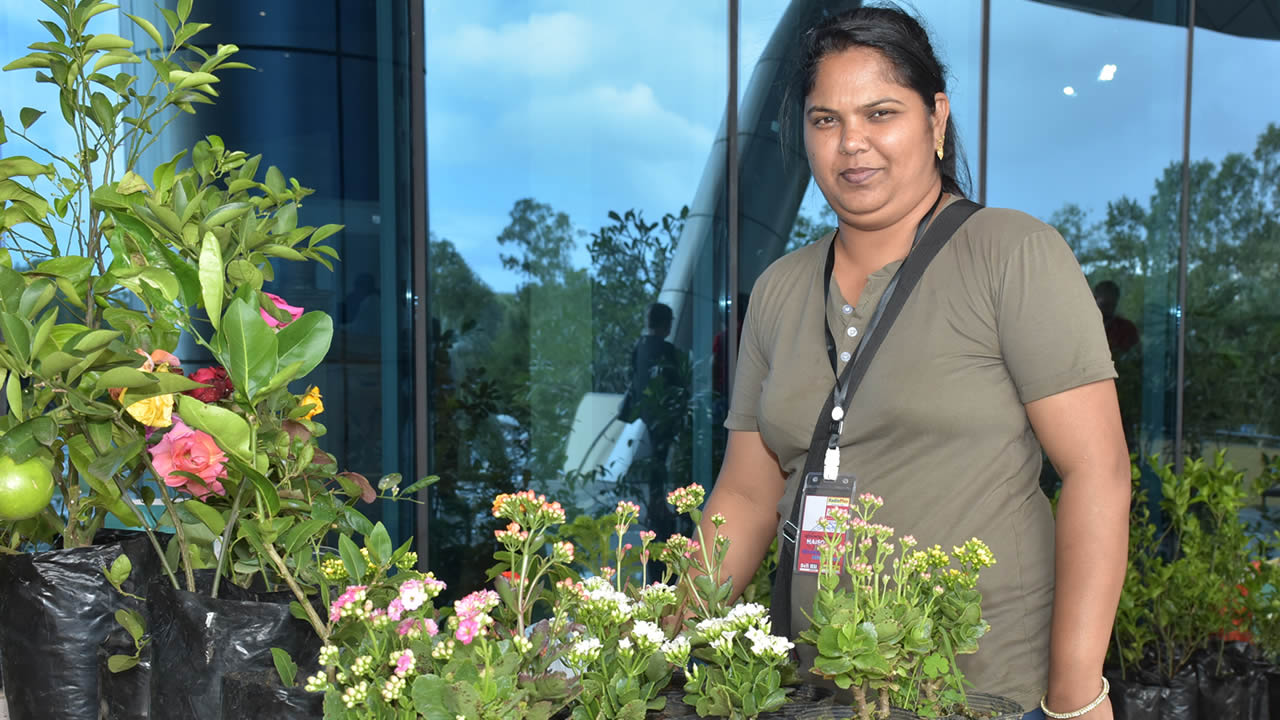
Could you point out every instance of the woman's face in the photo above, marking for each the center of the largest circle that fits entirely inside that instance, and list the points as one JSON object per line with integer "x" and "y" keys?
{"x": 871, "y": 142}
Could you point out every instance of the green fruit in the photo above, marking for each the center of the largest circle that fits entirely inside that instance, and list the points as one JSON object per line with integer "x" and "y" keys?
{"x": 25, "y": 488}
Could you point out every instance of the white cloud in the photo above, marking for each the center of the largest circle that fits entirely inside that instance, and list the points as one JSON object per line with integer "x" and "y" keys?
{"x": 543, "y": 45}
{"x": 629, "y": 118}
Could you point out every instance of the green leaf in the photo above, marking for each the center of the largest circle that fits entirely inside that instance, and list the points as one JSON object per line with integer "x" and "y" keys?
{"x": 305, "y": 340}
{"x": 252, "y": 355}
{"x": 324, "y": 232}
{"x": 116, "y": 57}
{"x": 131, "y": 183}
{"x": 285, "y": 665}
{"x": 32, "y": 61}
{"x": 19, "y": 166}
{"x": 212, "y": 281}
{"x": 303, "y": 533}
{"x": 186, "y": 80}
{"x": 211, "y": 518}
{"x": 56, "y": 363}
{"x": 379, "y": 544}
{"x": 17, "y": 335}
{"x": 107, "y": 41}
{"x": 29, "y": 116}
{"x": 120, "y": 570}
{"x": 120, "y": 663}
{"x": 265, "y": 489}
{"x": 148, "y": 28}
{"x": 243, "y": 272}
{"x": 71, "y": 267}
{"x": 13, "y": 396}
{"x": 132, "y": 622}
{"x": 352, "y": 560}
{"x": 227, "y": 213}
{"x": 283, "y": 251}
{"x": 124, "y": 377}
{"x": 275, "y": 180}
{"x": 184, "y": 12}
{"x": 228, "y": 428}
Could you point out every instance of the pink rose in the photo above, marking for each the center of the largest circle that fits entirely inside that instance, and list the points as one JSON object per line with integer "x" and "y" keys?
{"x": 294, "y": 312}
{"x": 183, "y": 449}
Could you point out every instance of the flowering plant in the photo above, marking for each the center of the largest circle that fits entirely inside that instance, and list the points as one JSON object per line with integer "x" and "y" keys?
{"x": 744, "y": 666}
{"x": 894, "y": 625}
{"x": 620, "y": 652}
{"x": 91, "y": 319}
{"x": 393, "y": 656}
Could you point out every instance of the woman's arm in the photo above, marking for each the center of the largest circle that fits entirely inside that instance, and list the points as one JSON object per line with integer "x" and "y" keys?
{"x": 746, "y": 493}
{"x": 1081, "y": 432}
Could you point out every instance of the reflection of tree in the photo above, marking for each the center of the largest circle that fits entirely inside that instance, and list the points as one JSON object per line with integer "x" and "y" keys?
{"x": 1233, "y": 297}
{"x": 510, "y": 369}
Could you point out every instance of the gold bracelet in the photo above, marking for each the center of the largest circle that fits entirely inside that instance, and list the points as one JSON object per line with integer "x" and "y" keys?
{"x": 1106, "y": 689}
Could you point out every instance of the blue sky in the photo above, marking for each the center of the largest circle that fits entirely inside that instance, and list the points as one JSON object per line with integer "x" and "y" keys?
{"x": 593, "y": 107}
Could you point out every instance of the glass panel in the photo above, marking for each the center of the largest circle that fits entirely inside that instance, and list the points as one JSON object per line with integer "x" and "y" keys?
{"x": 564, "y": 141}
{"x": 1233, "y": 297}
{"x": 337, "y": 121}
{"x": 1087, "y": 136}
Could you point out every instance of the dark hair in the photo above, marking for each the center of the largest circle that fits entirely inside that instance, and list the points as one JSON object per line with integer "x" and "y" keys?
{"x": 660, "y": 316}
{"x": 903, "y": 41}
{"x": 1107, "y": 288}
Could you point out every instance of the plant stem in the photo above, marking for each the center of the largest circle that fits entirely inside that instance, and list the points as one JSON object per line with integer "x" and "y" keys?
{"x": 226, "y": 537}
{"x": 321, "y": 629}
{"x": 164, "y": 562}
{"x": 178, "y": 533}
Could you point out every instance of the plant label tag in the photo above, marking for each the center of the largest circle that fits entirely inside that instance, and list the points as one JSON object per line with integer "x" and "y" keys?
{"x": 821, "y": 496}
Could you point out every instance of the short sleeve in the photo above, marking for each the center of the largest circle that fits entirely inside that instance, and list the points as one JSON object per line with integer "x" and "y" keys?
{"x": 748, "y": 378}
{"x": 1050, "y": 329}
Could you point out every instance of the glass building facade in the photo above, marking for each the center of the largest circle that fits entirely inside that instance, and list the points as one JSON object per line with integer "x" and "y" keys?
{"x": 521, "y": 181}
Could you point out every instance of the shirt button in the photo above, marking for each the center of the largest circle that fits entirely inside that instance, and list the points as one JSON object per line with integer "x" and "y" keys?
{"x": 844, "y": 357}
{"x": 847, "y": 309}
{"x": 853, "y": 332}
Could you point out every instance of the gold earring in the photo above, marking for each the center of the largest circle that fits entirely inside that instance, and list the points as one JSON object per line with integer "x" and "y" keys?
{"x": 940, "y": 143}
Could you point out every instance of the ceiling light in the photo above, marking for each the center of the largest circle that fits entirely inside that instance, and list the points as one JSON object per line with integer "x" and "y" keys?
{"x": 1108, "y": 73}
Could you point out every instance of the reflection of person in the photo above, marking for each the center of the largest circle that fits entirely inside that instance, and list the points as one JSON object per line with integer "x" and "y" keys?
{"x": 996, "y": 353}
{"x": 658, "y": 395}
{"x": 1122, "y": 335}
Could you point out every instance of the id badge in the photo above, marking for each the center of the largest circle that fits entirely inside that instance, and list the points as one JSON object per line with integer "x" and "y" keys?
{"x": 820, "y": 497}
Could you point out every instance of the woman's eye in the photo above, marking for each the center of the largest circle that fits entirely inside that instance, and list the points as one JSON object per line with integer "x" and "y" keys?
{"x": 881, "y": 114}
{"x": 823, "y": 121}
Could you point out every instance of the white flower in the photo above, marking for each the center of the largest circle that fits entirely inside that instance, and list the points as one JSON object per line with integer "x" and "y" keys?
{"x": 648, "y": 635}
{"x": 676, "y": 650}
{"x": 745, "y": 615}
{"x": 768, "y": 646}
{"x": 584, "y": 651}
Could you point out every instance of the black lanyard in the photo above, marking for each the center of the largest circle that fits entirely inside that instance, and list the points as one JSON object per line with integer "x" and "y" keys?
{"x": 840, "y": 390}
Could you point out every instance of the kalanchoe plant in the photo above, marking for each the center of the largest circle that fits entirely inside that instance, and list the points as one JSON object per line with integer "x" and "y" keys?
{"x": 888, "y": 624}
{"x": 384, "y": 631}
{"x": 620, "y": 653}
{"x": 744, "y": 674}
{"x": 743, "y": 667}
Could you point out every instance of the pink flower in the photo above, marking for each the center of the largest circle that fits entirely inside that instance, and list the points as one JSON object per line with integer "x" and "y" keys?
{"x": 395, "y": 610}
{"x": 413, "y": 628}
{"x": 467, "y": 630}
{"x": 294, "y": 311}
{"x": 183, "y": 449}
{"x": 430, "y": 627}
{"x": 352, "y": 595}
{"x": 404, "y": 663}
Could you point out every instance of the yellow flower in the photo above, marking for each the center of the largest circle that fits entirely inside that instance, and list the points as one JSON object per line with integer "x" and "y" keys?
{"x": 312, "y": 398}
{"x": 156, "y": 412}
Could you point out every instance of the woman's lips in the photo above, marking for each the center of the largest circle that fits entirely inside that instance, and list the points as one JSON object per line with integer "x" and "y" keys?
{"x": 858, "y": 176}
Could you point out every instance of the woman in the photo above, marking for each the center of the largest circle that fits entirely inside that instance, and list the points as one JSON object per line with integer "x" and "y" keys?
{"x": 998, "y": 351}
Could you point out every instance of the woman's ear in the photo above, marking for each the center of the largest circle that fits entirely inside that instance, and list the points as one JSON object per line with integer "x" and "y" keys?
{"x": 941, "y": 113}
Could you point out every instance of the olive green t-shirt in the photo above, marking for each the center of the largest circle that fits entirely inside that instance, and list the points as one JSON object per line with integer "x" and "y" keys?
{"x": 1003, "y": 316}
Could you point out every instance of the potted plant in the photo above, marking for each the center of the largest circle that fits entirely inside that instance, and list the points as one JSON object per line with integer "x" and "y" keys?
{"x": 889, "y": 620}
{"x": 98, "y": 406}
{"x": 1194, "y": 585}
{"x": 392, "y": 655}
{"x": 736, "y": 668}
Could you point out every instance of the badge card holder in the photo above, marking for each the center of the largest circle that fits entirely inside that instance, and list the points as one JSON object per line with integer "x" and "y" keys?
{"x": 819, "y": 498}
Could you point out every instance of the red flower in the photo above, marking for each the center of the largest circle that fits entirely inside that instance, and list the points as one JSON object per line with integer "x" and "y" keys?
{"x": 220, "y": 386}
{"x": 512, "y": 576}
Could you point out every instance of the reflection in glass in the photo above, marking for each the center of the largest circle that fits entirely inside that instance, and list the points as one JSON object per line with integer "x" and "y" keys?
{"x": 1102, "y": 165}
{"x": 1232, "y": 399}
{"x": 564, "y": 152}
